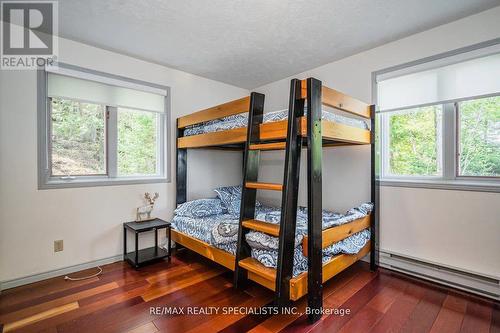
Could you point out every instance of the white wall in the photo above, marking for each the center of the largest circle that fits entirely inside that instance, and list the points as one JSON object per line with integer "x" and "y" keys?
{"x": 89, "y": 219}
{"x": 451, "y": 227}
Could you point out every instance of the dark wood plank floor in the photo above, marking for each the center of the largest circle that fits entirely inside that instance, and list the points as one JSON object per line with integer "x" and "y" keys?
{"x": 125, "y": 300}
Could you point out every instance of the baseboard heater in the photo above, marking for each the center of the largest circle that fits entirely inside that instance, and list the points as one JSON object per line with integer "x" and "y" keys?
{"x": 472, "y": 282}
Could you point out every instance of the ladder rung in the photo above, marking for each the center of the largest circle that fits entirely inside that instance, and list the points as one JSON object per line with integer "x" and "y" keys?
{"x": 262, "y": 226}
{"x": 254, "y": 266}
{"x": 264, "y": 186}
{"x": 268, "y": 146}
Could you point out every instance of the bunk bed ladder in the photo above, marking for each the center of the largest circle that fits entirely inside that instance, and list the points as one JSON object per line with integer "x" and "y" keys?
{"x": 290, "y": 196}
{"x": 250, "y": 174}
{"x": 286, "y": 233}
{"x": 289, "y": 190}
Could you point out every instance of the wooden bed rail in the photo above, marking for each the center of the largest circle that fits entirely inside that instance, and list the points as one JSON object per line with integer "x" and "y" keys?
{"x": 341, "y": 101}
{"x": 220, "y": 111}
{"x": 336, "y": 234}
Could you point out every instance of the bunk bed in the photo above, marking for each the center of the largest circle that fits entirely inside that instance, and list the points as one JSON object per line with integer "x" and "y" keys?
{"x": 306, "y": 125}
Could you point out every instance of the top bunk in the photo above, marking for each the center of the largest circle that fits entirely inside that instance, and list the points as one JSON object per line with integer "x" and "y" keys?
{"x": 225, "y": 126}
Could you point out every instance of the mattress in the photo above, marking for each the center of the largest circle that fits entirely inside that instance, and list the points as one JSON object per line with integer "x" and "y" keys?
{"x": 241, "y": 120}
{"x": 221, "y": 231}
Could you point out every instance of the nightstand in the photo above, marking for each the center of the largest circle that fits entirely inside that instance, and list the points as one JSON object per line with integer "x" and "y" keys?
{"x": 142, "y": 257}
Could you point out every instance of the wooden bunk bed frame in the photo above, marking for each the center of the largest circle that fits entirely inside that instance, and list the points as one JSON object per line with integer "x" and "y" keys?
{"x": 334, "y": 134}
{"x": 290, "y": 135}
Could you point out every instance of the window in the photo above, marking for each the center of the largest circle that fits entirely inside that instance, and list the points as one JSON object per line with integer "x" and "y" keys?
{"x": 78, "y": 138}
{"x": 479, "y": 137}
{"x": 98, "y": 129}
{"x": 137, "y": 142}
{"x": 440, "y": 121}
{"x": 413, "y": 142}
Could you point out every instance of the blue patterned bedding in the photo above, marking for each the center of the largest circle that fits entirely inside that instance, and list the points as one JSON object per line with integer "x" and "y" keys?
{"x": 241, "y": 120}
{"x": 221, "y": 231}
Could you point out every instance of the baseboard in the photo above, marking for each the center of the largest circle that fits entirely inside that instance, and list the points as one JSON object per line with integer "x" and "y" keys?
{"x": 473, "y": 282}
{"x": 57, "y": 272}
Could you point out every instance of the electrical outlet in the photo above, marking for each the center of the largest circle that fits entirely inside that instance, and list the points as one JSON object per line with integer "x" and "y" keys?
{"x": 58, "y": 245}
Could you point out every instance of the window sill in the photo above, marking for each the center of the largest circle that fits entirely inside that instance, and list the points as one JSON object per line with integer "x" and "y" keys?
{"x": 93, "y": 182}
{"x": 457, "y": 185}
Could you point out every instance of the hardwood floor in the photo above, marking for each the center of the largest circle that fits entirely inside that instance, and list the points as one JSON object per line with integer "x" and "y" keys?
{"x": 125, "y": 300}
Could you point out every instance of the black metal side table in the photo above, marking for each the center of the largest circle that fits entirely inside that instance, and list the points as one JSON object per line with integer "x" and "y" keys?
{"x": 142, "y": 257}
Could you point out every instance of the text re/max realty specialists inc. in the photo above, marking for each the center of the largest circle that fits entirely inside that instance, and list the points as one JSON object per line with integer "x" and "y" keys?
{"x": 241, "y": 310}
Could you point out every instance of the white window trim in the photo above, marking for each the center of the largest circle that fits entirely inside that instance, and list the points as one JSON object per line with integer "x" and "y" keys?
{"x": 46, "y": 181}
{"x": 449, "y": 179}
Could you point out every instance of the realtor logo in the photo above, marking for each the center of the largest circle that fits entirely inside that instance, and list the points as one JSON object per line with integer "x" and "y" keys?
{"x": 28, "y": 34}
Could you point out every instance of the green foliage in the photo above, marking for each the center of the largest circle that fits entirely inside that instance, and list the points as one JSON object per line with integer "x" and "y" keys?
{"x": 414, "y": 144}
{"x": 480, "y": 137}
{"x": 78, "y": 138}
{"x": 413, "y": 141}
{"x": 136, "y": 142}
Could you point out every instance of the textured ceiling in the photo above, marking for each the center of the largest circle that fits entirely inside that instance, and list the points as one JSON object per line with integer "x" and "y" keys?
{"x": 249, "y": 43}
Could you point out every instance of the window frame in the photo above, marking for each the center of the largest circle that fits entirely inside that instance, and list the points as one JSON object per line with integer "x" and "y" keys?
{"x": 450, "y": 178}
{"x": 45, "y": 178}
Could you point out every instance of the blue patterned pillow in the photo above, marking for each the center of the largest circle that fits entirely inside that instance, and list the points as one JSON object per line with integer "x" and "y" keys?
{"x": 231, "y": 198}
{"x": 200, "y": 208}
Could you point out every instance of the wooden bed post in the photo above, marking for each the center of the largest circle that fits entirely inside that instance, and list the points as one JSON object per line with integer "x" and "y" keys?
{"x": 288, "y": 221}
{"x": 181, "y": 175}
{"x": 250, "y": 174}
{"x": 374, "y": 216}
{"x": 314, "y": 199}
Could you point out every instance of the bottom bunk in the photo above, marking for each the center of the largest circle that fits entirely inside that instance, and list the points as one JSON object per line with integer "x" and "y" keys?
{"x": 263, "y": 275}
{"x": 210, "y": 227}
